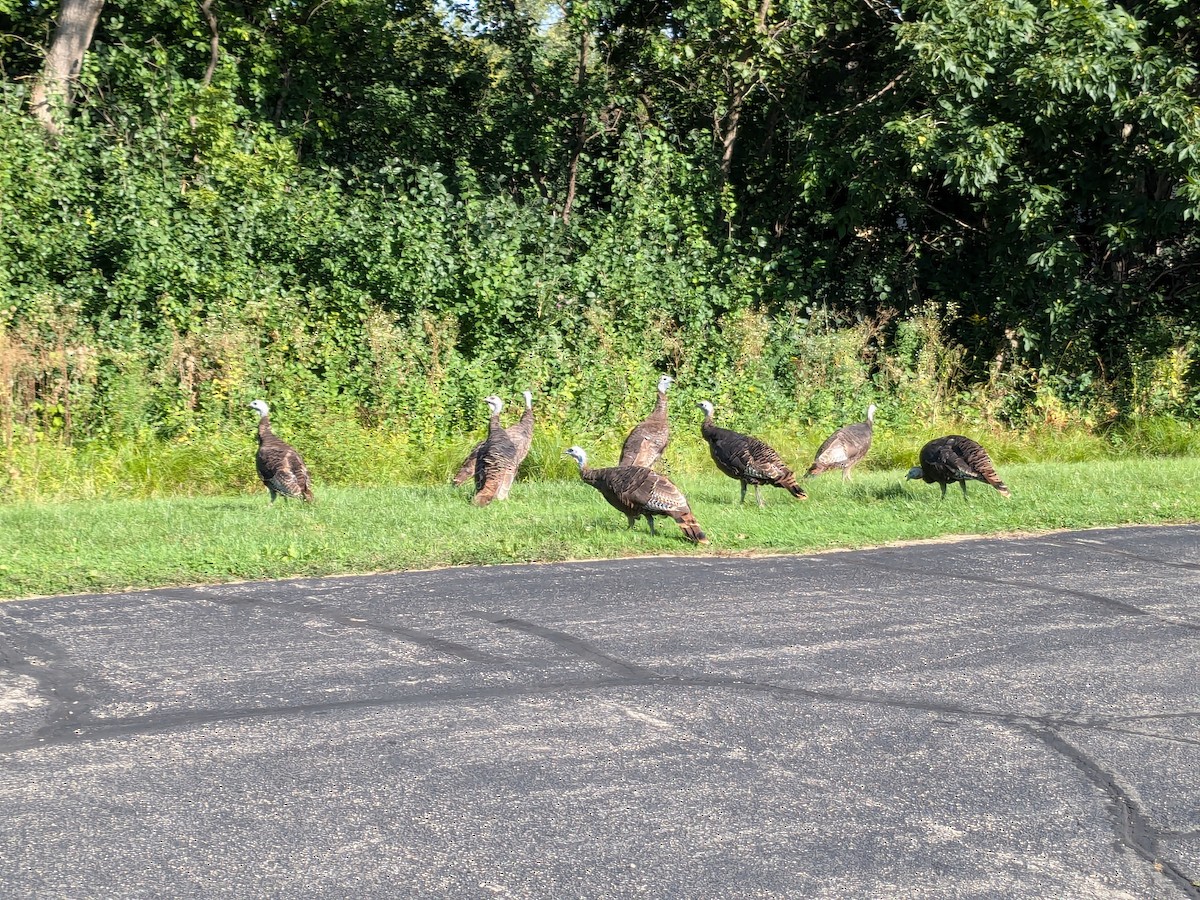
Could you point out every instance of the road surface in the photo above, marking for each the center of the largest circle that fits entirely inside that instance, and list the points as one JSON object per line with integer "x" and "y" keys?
{"x": 1013, "y": 718}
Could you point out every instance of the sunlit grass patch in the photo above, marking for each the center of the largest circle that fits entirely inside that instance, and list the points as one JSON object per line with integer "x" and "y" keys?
{"x": 104, "y": 545}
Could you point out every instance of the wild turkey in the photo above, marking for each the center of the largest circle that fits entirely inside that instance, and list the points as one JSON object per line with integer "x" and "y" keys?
{"x": 520, "y": 433}
{"x": 747, "y": 458}
{"x": 466, "y": 472}
{"x": 496, "y": 462}
{"x": 279, "y": 465}
{"x": 648, "y": 439}
{"x": 956, "y": 458}
{"x": 845, "y": 448}
{"x": 638, "y": 491}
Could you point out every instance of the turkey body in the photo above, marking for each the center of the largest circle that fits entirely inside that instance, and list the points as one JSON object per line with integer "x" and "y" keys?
{"x": 952, "y": 458}
{"x": 496, "y": 461}
{"x": 520, "y": 433}
{"x": 279, "y": 465}
{"x": 649, "y": 438}
{"x": 746, "y": 458}
{"x": 637, "y": 492}
{"x": 845, "y": 448}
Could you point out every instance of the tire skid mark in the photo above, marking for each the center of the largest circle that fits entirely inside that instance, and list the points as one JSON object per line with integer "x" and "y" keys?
{"x": 1167, "y": 738}
{"x": 1132, "y": 824}
{"x": 340, "y": 617}
{"x": 131, "y": 727}
{"x": 1118, "y": 606}
{"x": 569, "y": 643}
{"x": 1103, "y": 547}
{"x": 1150, "y": 717}
{"x": 1173, "y": 834}
{"x": 57, "y": 679}
{"x": 134, "y": 726}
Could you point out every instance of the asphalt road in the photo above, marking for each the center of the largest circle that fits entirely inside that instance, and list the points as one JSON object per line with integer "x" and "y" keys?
{"x": 992, "y": 718}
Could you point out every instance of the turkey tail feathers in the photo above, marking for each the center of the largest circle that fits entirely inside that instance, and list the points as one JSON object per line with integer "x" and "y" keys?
{"x": 691, "y": 528}
{"x": 466, "y": 471}
{"x": 793, "y": 487}
{"x": 979, "y": 460}
{"x": 487, "y": 493}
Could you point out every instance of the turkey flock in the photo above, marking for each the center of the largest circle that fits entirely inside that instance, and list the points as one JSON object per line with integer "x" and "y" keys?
{"x": 634, "y": 486}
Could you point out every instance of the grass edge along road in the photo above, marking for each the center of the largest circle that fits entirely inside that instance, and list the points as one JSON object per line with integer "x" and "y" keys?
{"x": 104, "y": 546}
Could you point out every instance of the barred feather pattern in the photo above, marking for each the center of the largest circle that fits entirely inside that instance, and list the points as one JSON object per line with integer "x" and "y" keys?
{"x": 520, "y": 433}
{"x": 844, "y": 449}
{"x": 748, "y": 459}
{"x": 495, "y": 465}
{"x": 466, "y": 472}
{"x": 280, "y": 466}
{"x": 649, "y": 438}
{"x": 955, "y": 458}
{"x": 637, "y": 491}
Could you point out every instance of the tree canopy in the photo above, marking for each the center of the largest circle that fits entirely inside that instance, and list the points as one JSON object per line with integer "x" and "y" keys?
{"x": 386, "y": 206}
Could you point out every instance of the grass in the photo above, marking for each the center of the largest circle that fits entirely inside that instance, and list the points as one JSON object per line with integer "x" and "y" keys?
{"x": 108, "y": 545}
{"x": 219, "y": 463}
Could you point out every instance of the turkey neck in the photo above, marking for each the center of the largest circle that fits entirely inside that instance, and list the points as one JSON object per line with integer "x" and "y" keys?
{"x": 587, "y": 474}
{"x": 707, "y": 426}
{"x": 264, "y": 430}
{"x": 660, "y": 407}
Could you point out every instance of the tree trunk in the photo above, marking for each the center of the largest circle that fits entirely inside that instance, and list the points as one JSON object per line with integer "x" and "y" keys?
{"x": 214, "y": 43}
{"x": 52, "y": 92}
{"x": 580, "y": 131}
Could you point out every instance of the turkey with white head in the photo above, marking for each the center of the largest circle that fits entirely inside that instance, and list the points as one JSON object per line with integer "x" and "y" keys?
{"x": 496, "y": 461}
{"x": 952, "y": 458}
{"x": 520, "y": 433}
{"x": 649, "y": 438}
{"x": 638, "y": 491}
{"x": 845, "y": 448}
{"x": 279, "y": 465}
{"x": 747, "y": 459}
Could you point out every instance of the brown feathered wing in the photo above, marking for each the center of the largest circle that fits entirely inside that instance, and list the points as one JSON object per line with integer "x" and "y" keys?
{"x": 495, "y": 465}
{"x": 649, "y": 438}
{"x": 958, "y": 458}
{"x": 466, "y": 472}
{"x": 520, "y": 433}
{"x": 843, "y": 449}
{"x": 280, "y": 466}
{"x": 638, "y": 491}
{"x": 749, "y": 459}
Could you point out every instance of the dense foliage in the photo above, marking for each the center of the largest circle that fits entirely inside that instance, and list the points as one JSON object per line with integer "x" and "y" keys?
{"x": 382, "y": 211}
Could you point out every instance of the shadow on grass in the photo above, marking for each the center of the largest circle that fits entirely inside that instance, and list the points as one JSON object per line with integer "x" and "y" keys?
{"x": 888, "y": 492}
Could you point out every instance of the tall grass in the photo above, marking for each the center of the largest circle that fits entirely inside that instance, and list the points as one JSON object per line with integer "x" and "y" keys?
{"x": 344, "y": 454}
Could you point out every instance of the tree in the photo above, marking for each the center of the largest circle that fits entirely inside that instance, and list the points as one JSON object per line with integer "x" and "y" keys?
{"x": 52, "y": 91}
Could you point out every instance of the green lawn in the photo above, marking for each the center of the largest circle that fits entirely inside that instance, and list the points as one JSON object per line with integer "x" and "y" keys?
{"x": 113, "y": 544}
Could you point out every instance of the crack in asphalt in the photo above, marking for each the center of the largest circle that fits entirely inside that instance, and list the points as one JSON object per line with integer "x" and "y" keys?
{"x": 1132, "y": 824}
